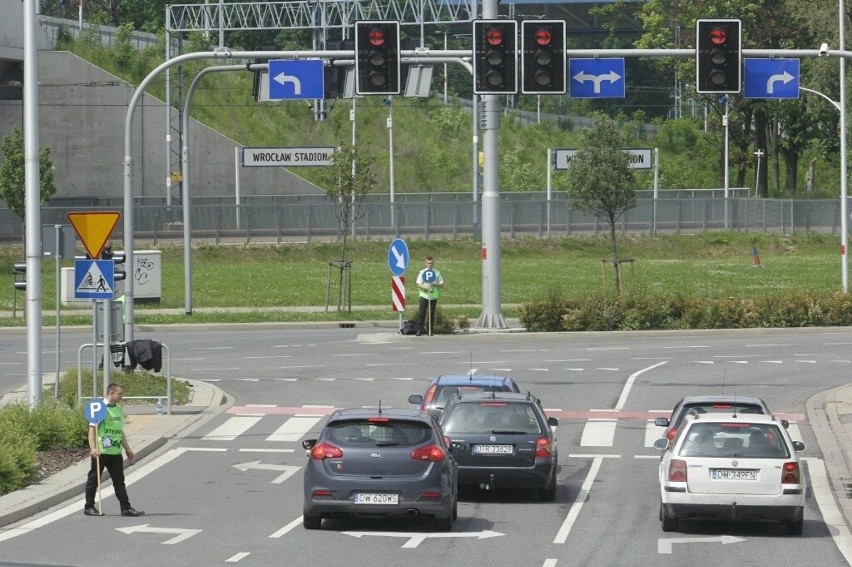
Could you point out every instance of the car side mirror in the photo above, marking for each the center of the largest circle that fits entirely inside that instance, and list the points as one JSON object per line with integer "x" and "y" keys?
{"x": 308, "y": 444}
{"x": 662, "y": 443}
{"x": 798, "y": 446}
{"x": 416, "y": 399}
{"x": 661, "y": 422}
{"x": 785, "y": 423}
{"x": 552, "y": 421}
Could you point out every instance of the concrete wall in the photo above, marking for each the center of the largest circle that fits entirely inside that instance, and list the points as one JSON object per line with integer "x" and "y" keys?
{"x": 82, "y": 111}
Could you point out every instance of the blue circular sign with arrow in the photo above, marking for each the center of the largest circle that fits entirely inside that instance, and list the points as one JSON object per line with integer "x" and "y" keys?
{"x": 398, "y": 257}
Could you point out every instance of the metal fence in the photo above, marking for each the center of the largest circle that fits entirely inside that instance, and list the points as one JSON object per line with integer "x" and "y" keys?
{"x": 447, "y": 215}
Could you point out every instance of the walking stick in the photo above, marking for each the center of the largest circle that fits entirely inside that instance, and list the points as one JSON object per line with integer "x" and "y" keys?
{"x": 100, "y": 495}
{"x": 429, "y": 315}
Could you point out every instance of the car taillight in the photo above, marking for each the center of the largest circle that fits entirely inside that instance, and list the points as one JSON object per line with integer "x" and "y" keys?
{"x": 427, "y": 399}
{"x": 671, "y": 434}
{"x": 431, "y": 453}
{"x": 677, "y": 470}
{"x": 543, "y": 448}
{"x": 791, "y": 473}
{"x": 326, "y": 451}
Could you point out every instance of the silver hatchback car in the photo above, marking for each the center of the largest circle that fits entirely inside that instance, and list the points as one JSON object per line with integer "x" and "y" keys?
{"x": 380, "y": 463}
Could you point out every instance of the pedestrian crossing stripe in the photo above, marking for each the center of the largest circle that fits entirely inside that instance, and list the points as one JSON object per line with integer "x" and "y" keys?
{"x": 94, "y": 279}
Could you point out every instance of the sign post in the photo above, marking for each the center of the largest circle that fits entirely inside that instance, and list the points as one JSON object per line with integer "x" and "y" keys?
{"x": 398, "y": 258}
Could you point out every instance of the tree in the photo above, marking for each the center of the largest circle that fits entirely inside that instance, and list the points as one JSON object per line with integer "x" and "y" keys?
{"x": 346, "y": 180}
{"x": 600, "y": 181}
{"x": 13, "y": 178}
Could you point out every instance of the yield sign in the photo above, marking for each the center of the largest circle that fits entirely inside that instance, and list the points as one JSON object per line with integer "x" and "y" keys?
{"x": 94, "y": 229}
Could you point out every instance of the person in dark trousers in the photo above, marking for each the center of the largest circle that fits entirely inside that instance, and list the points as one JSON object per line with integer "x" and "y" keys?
{"x": 430, "y": 282}
{"x": 106, "y": 440}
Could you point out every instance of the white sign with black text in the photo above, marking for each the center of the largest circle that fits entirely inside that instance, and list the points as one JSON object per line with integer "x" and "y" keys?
{"x": 640, "y": 158}
{"x": 287, "y": 157}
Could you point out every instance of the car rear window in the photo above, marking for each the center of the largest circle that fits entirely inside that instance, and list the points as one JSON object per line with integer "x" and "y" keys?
{"x": 701, "y": 408}
{"x": 492, "y": 417}
{"x": 755, "y": 440}
{"x": 446, "y": 392}
{"x": 379, "y": 433}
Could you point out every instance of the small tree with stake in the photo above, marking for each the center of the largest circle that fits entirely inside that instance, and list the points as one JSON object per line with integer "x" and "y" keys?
{"x": 347, "y": 179}
{"x": 600, "y": 181}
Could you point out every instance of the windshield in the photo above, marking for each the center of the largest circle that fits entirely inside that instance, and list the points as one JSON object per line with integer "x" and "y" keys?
{"x": 490, "y": 417}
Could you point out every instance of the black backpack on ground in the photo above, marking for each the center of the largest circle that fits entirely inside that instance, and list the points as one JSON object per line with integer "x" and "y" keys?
{"x": 410, "y": 328}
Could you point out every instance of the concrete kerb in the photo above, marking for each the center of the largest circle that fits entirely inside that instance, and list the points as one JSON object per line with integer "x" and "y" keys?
{"x": 146, "y": 432}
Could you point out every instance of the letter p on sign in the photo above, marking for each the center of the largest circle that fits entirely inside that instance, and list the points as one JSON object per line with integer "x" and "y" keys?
{"x": 95, "y": 411}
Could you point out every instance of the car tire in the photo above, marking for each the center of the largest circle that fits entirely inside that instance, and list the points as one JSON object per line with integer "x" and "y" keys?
{"x": 311, "y": 522}
{"x": 456, "y": 509}
{"x": 670, "y": 523}
{"x": 444, "y": 524}
{"x": 549, "y": 494}
{"x": 795, "y": 527}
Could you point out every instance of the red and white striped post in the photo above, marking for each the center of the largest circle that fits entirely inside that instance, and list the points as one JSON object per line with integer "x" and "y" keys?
{"x": 398, "y": 296}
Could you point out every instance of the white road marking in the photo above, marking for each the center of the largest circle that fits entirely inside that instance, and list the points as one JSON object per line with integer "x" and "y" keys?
{"x": 652, "y": 433}
{"x": 267, "y": 357}
{"x": 582, "y": 495}
{"x": 655, "y": 457}
{"x": 598, "y": 433}
{"x": 793, "y": 431}
{"x": 261, "y": 450}
{"x": 629, "y": 384}
{"x": 828, "y": 507}
{"x": 232, "y": 428}
{"x": 287, "y": 528}
{"x": 686, "y": 346}
{"x": 415, "y": 539}
{"x": 237, "y": 557}
{"x": 77, "y": 506}
{"x": 549, "y": 563}
{"x": 286, "y": 470}
{"x": 664, "y": 545}
{"x": 212, "y": 348}
{"x": 180, "y": 534}
{"x": 294, "y": 428}
{"x": 806, "y": 361}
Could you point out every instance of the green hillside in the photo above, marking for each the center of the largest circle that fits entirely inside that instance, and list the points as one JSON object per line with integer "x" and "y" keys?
{"x": 432, "y": 142}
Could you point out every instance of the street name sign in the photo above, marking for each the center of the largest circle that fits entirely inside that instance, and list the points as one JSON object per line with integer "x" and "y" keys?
{"x": 640, "y": 158}
{"x": 287, "y": 157}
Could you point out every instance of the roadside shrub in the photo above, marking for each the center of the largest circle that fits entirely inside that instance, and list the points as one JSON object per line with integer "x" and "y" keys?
{"x": 17, "y": 462}
{"x": 545, "y": 314}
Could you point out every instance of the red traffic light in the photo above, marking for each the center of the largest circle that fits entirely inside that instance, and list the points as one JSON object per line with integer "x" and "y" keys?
{"x": 543, "y": 37}
{"x": 494, "y": 37}
{"x": 718, "y": 36}
{"x": 377, "y": 38}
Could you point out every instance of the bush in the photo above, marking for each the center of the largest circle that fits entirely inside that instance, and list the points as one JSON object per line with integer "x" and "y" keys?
{"x": 545, "y": 314}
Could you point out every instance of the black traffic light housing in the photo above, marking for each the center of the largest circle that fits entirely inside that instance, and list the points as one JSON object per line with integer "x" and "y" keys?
{"x": 377, "y": 65}
{"x": 20, "y": 268}
{"x": 495, "y": 57}
{"x": 118, "y": 260}
{"x": 543, "y": 57}
{"x": 718, "y": 56}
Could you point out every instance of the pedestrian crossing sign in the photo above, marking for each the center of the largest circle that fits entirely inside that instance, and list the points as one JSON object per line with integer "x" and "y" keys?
{"x": 94, "y": 279}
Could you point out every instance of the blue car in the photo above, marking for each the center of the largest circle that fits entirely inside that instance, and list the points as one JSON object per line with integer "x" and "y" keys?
{"x": 442, "y": 388}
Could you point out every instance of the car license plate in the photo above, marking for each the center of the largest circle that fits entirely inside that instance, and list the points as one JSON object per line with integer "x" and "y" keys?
{"x": 492, "y": 449}
{"x": 373, "y": 498}
{"x": 733, "y": 474}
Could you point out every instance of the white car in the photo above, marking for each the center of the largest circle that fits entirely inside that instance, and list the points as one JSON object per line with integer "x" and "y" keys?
{"x": 732, "y": 467}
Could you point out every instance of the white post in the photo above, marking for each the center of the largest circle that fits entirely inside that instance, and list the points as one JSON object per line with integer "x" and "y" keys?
{"x": 844, "y": 188}
{"x": 727, "y": 204}
{"x": 445, "y": 70}
{"x": 549, "y": 186}
{"x": 656, "y": 188}
{"x": 390, "y": 153}
{"x": 237, "y": 184}
{"x": 759, "y": 154}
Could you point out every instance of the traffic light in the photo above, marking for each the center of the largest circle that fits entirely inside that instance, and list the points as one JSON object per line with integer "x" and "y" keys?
{"x": 543, "y": 57}
{"x": 117, "y": 259}
{"x": 20, "y": 268}
{"x": 495, "y": 57}
{"x": 718, "y": 57}
{"x": 377, "y": 57}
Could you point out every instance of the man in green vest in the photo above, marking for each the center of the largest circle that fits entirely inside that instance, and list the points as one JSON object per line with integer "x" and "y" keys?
{"x": 106, "y": 439}
{"x": 430, "y": 282}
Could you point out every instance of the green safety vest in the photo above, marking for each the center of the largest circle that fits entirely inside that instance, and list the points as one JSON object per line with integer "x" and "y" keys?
{"x": 436, "y": 291}
{"x": 111, "y": 431}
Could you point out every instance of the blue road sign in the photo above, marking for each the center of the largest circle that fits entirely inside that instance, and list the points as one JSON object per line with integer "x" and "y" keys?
{"x": 293, "y": 80}
{"x": 771, "y": 78}
{"x": 95, "y": 411}
{"x": 398, "y": 257}
{"x": 596, "y": 78}
{"x": 94, "y": 279}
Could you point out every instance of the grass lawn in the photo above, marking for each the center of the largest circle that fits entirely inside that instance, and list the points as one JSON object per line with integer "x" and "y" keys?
{"x": 704, "y": 265}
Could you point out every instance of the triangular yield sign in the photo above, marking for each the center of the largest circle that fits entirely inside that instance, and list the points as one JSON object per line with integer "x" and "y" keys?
{"x": 94, "y": 229}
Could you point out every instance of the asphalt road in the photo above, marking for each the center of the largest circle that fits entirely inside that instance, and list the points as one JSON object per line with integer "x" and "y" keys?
{"x": 230, "y": 491}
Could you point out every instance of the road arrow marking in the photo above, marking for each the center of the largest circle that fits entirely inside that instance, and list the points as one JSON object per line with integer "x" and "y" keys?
{"x": 288, "y": 470}
{"x": 665, "y": 545}
{"x": 582, "y": 77}
{"x": 416, "y": 539}
{"x": 785, "y": 78}
{"x": 283, "y": 79}
{"x": 183, "y": 533}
